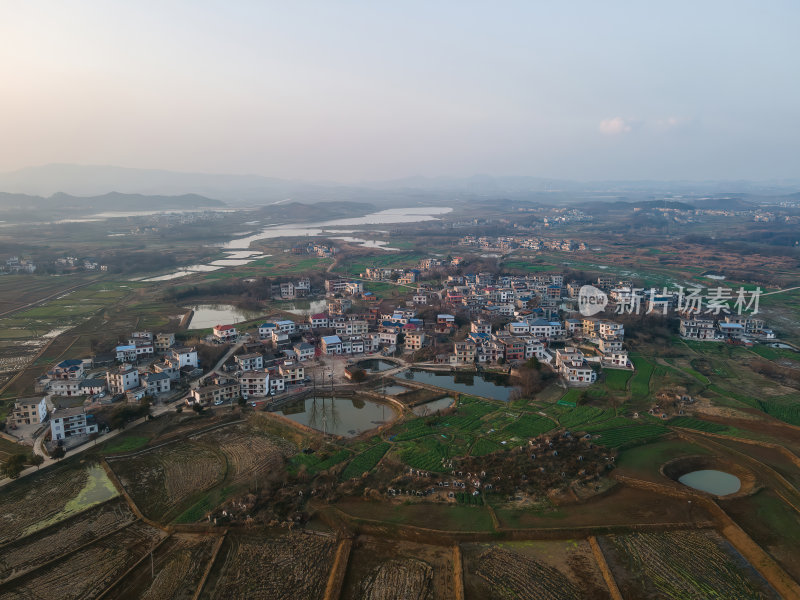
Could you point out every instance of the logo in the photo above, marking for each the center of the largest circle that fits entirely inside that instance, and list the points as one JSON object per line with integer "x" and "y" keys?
{"x": 591, "y": 300}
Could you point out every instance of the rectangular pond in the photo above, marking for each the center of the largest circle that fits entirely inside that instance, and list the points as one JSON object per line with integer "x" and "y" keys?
{"x": 488, "y": 385}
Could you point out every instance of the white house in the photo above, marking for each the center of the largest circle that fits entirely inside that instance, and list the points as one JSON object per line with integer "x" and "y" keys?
{"x": 122, "y": 379}
{"x": 250, "y": 362}
{"x": 254, "y": 383}
{"x": 225, "y": 333}
{"x": 67, "y": 422}
{"x": 155, "y": 383}
{"x": 331, "y": 344}
{"x": 185, "y": 357}
{"x": 304, "y": 351}
{"x": 265, "y": 330}
{"x": 318, "y": 320}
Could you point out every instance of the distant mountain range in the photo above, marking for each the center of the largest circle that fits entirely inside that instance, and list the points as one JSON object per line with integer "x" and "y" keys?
{"x": 64, "y": 204}
{"x": 97, "y": 181}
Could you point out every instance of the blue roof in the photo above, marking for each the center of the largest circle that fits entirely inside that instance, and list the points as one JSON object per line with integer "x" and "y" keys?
{"x": 266, "y": 325}
{"x": 332, "y": 339}
{"x": 70, "y": 362}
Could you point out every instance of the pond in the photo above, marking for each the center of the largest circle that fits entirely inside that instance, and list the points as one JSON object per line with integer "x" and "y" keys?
{"x": 340, "y": 416}
{"x": 714, "y": 482}
{"x": 305, "y": 308}
{"x": 432, "y": 407}
{"x": 392, "y": 390}
{"x": 208, "y": 315}
{"x": 488, "y": 385}
{"x": 376, "y": 365}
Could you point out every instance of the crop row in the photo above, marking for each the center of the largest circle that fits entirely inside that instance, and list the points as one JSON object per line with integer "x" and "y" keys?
{"x": 365, "y": 461}
{"x": 637, "y": 434}
{"x": 529, "y": 426}
{"x": 584, "y": 415}
{"x": 698, "y": 424}
{"x": 315, "y": 464}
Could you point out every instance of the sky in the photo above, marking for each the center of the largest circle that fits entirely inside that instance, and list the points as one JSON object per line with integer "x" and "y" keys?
{"x": 355, "y": 91}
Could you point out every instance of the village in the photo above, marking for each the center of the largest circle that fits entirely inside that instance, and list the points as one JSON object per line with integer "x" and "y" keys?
{"x": 469, "y": 322}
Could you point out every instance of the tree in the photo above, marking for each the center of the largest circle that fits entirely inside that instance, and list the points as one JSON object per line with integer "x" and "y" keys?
{"x": 58, "y": 452}
{"x": 37, "y": 460}
{"x": 358, "y": 375}
{"x": 14, "y": 465}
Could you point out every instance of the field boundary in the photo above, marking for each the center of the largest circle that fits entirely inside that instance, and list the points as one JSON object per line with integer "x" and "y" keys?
{"x": 600, "y": 559}
{"x": 202, "y": 583}
{"x": 130, "y": 570}
{"x": 458, "y": 573}
{"x": 179, "y": 438}
{"x": 47, "y": 563}
{"x": 333, "y": 589}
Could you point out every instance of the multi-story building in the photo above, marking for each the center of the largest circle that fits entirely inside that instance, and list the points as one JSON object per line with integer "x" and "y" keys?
{"x": 254, "y": 383}
{"x": 331, "y": 344}
{"x": 292, "y": 372}
{"x": 611, "y": 330}
{"x": 697, "y": 328}
{"x": 250, "y": 362}
{"x": 319, "y": 320}
{"x": 357, "y": 327}
{"x": 122, "y": 379}
{"x": 164, "y": 341}
{"x": 480, "y": 326}
{"x": 155, "y": 383}
{"x": 184, "y": 356}
{"x": 209, "y": 394}
{"x": 415, "y": 340}
{"x": 464, "y": 352}
{"x": 225, "y": 333}
{"x": 69, "y": 422}
{"x": 28, "y": 411}
{"x": 304, "y": 351}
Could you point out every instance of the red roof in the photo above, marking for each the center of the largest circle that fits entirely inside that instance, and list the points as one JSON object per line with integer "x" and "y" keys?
{"x": 320, "y": 316}
{"x": 223, "y": 327}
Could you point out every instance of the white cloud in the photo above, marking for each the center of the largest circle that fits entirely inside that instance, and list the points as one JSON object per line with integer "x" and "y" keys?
{"x": 615, "y": 126}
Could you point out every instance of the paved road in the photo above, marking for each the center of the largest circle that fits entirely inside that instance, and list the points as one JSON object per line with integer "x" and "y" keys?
{"x": 37, "y": 445}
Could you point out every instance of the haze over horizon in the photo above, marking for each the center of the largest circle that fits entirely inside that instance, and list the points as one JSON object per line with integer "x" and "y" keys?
{"x": 355, "y": 93}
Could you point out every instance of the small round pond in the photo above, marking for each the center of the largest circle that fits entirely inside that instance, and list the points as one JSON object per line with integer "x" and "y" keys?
{"x": 340, "y": 416}
{"x": 712, "y": 481}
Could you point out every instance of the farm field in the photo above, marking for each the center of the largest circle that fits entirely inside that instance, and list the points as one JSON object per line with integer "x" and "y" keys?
{"x": 29, "y": 552}
{"x": 178, "y": 565}
{"x": 537, "y": 569}
{"x": 51, "y": 496}
{"x": 620, "y": 506}
{"x": 381, "y": 569}
{"x": 646, "y": 565}
{"x": 644, "y": 462}
{"x": 772, "y": 524}
{"x": 285, "y": 567}
{"x": 98, "y": 564}
{"x": 161, "y": 481}
{"x": 433, "y": 516}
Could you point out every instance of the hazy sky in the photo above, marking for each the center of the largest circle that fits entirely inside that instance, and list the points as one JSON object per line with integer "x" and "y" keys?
{"x": 347, "y": 91}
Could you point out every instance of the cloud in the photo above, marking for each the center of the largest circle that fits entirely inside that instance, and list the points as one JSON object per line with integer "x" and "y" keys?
{"x": 615, "y": 126}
